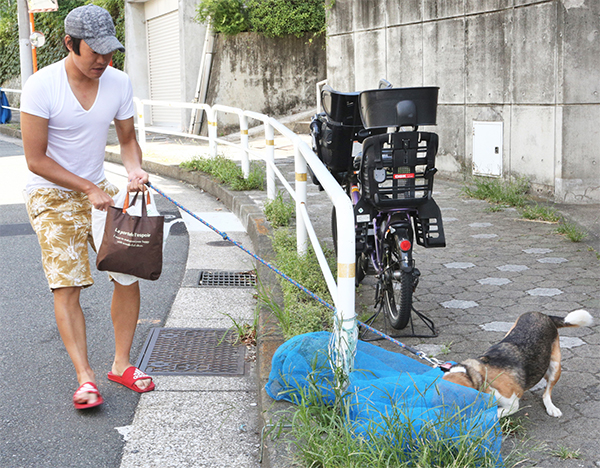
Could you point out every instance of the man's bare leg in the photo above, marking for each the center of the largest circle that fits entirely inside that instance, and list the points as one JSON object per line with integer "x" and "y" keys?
{"x": 125, "y": 311}
{"x": 71, "y": 326}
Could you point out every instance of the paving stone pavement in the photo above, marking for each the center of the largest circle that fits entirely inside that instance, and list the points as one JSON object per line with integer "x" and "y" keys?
{"x": 497, "y": 266}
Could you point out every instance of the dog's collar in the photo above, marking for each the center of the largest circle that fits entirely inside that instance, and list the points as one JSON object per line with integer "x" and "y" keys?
{"x": 457, "y": 369}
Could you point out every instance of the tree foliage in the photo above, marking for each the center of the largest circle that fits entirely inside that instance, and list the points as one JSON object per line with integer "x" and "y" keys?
{"x": 51, "y": 24}
{"x": 272, "y": 18}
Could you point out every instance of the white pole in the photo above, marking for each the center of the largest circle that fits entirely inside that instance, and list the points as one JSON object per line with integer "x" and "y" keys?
{"x": 270, "y": 157}
{"x": 24, "y": 43}
{"x": 301, "y": 177}
{"x": 141, "y": 123}
{"x": 345, "y": 331}
{"x": 245, "y": 146}
{"x": 211, "y": 117}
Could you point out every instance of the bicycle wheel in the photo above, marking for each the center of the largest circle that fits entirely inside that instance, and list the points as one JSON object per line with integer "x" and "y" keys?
{"x": 397, "y": 288}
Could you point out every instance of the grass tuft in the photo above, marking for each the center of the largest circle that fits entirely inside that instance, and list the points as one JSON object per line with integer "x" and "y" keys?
{"x": 300, "y": 313}
{"x": 571, "y": 231}
{"x": 279, "y": 212}
{"x": 497, "y": 191}
{"x": 540, "y": 213}
{"x": 565, "y": 453}
{"x": 228, "y": 172}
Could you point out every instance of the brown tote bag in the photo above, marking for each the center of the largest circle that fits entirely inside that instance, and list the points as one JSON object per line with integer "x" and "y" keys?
{"x": 132, "y": 244}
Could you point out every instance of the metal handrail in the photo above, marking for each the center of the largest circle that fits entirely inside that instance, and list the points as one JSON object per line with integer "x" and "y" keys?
{"x": 8, "y": 90}
{"x": 342, "y": 291}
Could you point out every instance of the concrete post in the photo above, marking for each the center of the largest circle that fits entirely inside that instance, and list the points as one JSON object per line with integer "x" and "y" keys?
{"x": 24, "y": 43}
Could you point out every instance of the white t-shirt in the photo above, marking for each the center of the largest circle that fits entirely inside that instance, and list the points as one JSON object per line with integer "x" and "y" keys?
{"x": 76, "y": 137}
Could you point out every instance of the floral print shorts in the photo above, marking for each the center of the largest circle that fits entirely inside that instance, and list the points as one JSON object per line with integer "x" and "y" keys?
{"x": 62, "y": 221}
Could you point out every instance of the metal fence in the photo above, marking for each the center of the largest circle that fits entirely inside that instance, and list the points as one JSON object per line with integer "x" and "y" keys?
{"x": 342, "y": 291}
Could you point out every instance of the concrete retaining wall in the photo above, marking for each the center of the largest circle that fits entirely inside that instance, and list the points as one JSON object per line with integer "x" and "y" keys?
{"x": 533, "y": 65}
{"x": 273, "y": 76}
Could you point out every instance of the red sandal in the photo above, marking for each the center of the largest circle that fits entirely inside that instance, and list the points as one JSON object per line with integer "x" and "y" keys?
{"x": 88, "y": 387}
{"x": 130, "y": 377}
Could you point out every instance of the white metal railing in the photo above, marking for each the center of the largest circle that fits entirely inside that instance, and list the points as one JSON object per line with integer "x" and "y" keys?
{"x": 342, "y": 291}
{"x": 8, "y": 90}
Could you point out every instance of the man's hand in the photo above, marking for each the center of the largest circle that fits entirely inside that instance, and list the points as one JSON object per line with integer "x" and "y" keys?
{"x": 99, "y": 198}
{"x": 136, "y": 180}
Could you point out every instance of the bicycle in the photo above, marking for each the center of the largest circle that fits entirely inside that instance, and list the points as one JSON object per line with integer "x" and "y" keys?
{"x": 390, "y": 183}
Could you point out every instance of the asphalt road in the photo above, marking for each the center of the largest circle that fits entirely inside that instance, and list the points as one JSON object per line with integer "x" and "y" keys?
{"x": 40, "y": 427}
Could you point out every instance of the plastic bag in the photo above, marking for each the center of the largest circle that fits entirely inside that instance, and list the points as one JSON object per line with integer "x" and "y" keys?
{"x": 99, "y": 221}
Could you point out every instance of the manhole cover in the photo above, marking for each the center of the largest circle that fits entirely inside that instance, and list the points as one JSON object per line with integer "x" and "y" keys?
{"x": 192, "y": 351}
{"x": 227, "y": 279}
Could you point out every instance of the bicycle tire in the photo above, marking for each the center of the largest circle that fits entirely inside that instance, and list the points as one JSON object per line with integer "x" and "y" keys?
{"x": 397, "y": 293}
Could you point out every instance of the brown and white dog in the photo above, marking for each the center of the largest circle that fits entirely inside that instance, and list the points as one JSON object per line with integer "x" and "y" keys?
{"x": 529, "y": 352}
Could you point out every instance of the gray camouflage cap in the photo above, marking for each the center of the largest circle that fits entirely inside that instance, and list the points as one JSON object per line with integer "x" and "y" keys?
{"x": 95, "y": 26}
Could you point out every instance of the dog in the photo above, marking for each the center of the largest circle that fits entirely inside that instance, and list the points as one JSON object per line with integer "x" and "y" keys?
{"x": 529, "y": 352}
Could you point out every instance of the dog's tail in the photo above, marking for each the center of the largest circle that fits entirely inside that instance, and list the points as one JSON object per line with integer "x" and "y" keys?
{"x": 577, "y": 318}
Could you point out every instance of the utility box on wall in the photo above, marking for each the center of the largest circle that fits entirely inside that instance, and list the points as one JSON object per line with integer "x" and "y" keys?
{"x": 487, "y": 148}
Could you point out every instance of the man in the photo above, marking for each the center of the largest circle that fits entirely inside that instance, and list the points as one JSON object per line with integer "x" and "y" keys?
{"x": 66, "y": 110}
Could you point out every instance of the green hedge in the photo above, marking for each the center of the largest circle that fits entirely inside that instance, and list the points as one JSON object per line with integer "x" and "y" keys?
{"x": 273, "y": 18}
{"x": 51, "y": 24}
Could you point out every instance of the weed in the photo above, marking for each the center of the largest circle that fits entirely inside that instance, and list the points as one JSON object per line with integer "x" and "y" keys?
{"x": 541, "y": 213}
{"x": 279, "y": 212}
{"x": 301, "y": 313}
{"x": 496, "y": 191}
{"x": 513, "y": 425}
{"x": 495, "y": 208}
{"x": 246, "y": 333}
{"x": 228, "y": 172}
{"x": 445, "y": 348}
{"x": 565, "y": 453}
{"x": 571, "y": 231}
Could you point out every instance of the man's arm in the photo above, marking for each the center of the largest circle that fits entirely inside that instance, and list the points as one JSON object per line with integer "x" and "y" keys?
{"x": 131, "y": 154}
{"x": 34, "y": 132}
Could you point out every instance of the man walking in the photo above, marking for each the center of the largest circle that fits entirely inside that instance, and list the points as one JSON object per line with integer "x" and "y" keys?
{"x": 66, "y": 110}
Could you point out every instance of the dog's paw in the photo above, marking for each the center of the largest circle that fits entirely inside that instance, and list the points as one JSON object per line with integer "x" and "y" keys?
{"x": 553, "y": 411}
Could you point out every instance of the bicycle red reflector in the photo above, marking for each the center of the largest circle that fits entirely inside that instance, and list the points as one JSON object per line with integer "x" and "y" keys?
{"x": 405, "y": 245}
{"x": 404, "y": 176}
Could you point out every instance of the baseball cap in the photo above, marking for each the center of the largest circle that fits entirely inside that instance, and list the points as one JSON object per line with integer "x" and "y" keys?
{"x": 95, "y": 26}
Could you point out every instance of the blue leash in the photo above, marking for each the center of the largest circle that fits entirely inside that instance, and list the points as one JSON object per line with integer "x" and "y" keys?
{"x": 434, "y": 362}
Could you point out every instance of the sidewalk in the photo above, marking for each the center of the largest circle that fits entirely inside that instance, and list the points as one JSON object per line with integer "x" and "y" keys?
{"x": 495, "y": 267}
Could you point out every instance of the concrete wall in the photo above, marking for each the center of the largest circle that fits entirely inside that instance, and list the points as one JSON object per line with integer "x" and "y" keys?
{"x": 273, "y": 76}
{"x": 533, "y": 65}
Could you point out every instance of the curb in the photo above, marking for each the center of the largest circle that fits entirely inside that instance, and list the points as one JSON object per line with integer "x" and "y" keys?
{"x": 269, "y": 335}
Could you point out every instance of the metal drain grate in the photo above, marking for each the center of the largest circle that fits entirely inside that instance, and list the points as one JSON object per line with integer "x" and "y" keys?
{"x": 227, "y": 279}
{"x": 192, "y": 351}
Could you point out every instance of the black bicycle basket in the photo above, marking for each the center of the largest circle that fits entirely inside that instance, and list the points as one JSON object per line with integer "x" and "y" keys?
{"x": 397, "y": 169}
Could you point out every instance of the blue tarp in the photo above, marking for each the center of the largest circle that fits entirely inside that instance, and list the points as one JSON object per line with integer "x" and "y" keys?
{"x": 5, "y": 114}
{"x": 389, "y": 395}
